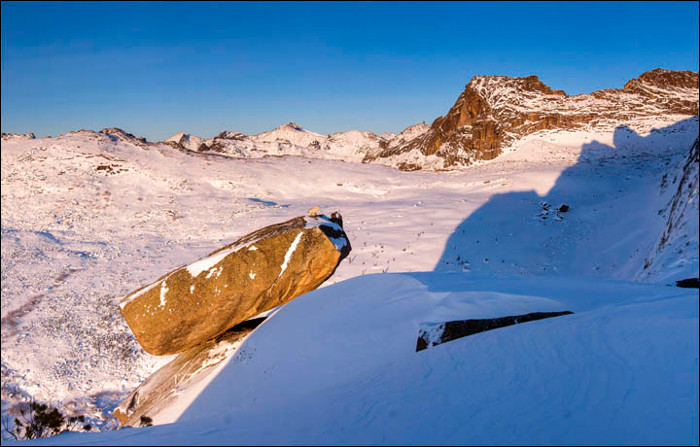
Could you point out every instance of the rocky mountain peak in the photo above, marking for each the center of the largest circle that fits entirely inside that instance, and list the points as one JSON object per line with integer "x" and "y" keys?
{"x": 293, "y": 126}
{"x": 494, "y": 85}
{"x": 230, "y": 135}
{"x": 184, "y": 140}
{"x": 493, "y": 111}
{"x": 121, "y": 135}
{"x": 664, "y": 79}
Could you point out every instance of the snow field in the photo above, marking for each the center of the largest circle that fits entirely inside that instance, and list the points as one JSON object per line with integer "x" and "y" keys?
{"x": 77, "y": 237}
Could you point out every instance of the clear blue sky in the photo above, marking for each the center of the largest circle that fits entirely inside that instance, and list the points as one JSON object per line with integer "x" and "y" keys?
{"x": 155, "y": 69}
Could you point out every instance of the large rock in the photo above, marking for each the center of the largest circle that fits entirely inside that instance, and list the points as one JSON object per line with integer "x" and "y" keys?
{"x": 258, "y": 272}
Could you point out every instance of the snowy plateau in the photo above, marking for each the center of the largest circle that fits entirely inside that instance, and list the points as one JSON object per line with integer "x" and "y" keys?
{"x": 598, "y": 218}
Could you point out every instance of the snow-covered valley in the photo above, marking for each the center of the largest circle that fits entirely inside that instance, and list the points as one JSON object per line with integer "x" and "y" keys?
{"x": 564, "y": 219}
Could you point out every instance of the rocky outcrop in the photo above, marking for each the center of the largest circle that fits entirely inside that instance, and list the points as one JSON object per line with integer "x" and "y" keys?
{"x": 680, "y": 221}
{"x": 686, "y": 195}
{"x": 660, "y": 85}
{"x": 493, "y": 111}
{"x": 117, "y": 134}
{"x": 258, "y": 272}
{"x": 187, "y": 141}
{"x": 232, "y": 144}
{"x": 16, "y": 136}
{"x": 453, "y": 330}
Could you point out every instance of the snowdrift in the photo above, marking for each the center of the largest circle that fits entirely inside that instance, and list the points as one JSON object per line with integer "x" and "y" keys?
{"x": 338, "y": 366}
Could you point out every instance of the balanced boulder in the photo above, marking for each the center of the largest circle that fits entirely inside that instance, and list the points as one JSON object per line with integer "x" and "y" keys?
{"x": 258, "y": 272}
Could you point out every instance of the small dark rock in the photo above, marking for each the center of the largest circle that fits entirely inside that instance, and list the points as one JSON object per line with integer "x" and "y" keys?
{"x": 453, "y": 330}
{"x": 690, "y": 283}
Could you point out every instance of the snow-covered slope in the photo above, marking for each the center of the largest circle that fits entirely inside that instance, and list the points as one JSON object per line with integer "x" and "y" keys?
{"x": 680, "y": 233}
{"x": 339, "y": 367}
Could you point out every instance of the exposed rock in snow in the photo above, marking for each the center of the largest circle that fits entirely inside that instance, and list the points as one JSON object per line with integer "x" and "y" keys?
{"x": 452, "y": 330}
{"x": 677, "y": 247}
{"x": 291, "y": 258}
{"x": 291, "y": 139}
{"x": 338, "y": 366}
{"x": 187, "y": 141}
{"x": 121, "y": 135}
{"x": 16, "y": 136}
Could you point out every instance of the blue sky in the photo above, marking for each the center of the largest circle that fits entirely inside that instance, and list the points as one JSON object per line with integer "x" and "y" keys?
{"x": 155, "y": 69}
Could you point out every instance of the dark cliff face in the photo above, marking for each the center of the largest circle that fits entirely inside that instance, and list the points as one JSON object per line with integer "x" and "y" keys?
{"x": 492, "y": 111}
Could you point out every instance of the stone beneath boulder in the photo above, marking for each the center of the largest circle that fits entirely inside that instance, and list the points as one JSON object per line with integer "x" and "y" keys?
{"x": 189, "y": 369}
{"x": 258, "y": 272}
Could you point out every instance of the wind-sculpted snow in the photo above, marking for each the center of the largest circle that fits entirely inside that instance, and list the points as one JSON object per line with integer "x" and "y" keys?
{"x": 622, "y": 369}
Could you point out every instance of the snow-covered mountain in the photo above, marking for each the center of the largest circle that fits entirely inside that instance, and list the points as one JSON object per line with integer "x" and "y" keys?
{"x": 88, "y": 217}
{"x": 289, "y": 139}
{"x": 494, "y": 111}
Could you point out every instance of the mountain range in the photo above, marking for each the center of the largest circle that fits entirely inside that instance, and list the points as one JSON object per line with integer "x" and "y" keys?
{"x": 489, "y": 115}
{"x": 486, "y": 119}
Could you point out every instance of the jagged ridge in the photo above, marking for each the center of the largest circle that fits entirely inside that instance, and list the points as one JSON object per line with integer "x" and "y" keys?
{"x": 493, "y": 111}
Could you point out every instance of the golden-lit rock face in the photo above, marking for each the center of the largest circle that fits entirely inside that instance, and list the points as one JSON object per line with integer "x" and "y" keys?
{"x": 260, "y": 271}
{"x": 493, "y": 111}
